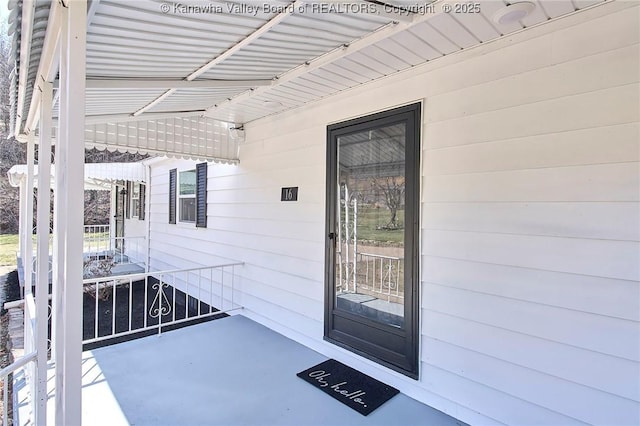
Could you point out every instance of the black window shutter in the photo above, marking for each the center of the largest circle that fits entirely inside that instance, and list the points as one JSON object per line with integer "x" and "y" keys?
{"x": 201, "y": 195}
{"x": 173, "y": 175}
{"x": 127, "y": 207}
{"x": 141, "y": 202}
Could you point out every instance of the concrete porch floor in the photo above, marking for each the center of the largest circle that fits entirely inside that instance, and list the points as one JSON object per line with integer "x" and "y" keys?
{"x": 231, "y": 371}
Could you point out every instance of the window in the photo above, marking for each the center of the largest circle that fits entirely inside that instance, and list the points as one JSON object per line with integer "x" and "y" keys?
{"x": 187, "y": 196}
{"x": 371, "y": 304}
{"x": 135, "y": 200}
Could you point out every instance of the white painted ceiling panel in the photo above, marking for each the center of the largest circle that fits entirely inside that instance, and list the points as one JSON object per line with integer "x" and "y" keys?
{"x": 432, "y": 37}
{"x": 316, "y": 85}
{"x": 334, "y": 78}
{"x": 382, "y": 56}
{"x": 364, "y": 59}
{"x": 581, "y": 4}
{"x": 555, "y": 8}
{"x": 307, "y": 88}
{"x": 394, "y": 47}
{"x": 449, "y": 26}
{"x": 346, "y": 72}
{"x": 482, "y": 28}
{"x": 280, "y": 95}
{"x": 328, "y": 83}
{"x": 351, "y": 63}
{"x": 293, "y": 93}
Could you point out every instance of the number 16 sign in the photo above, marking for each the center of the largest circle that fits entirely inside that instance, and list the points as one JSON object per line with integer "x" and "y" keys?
{"x": 289, "y": 194}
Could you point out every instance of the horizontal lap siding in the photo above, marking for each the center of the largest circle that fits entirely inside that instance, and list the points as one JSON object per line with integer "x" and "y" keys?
{"x": 530, "y": 302}
{"x": 279, "y": 243}
{"x": 530, "y": 237}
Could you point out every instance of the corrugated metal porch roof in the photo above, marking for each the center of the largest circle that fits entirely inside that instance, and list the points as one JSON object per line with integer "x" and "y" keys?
{"x": 279, "y": 55}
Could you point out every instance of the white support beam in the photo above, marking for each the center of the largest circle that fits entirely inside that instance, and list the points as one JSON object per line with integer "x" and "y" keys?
{"x": 136, "y": 83}
{"x": 228, "y": 53}
{"x": 124, "y": 118}
{"x": 60, "y": 234}
{"x": 27, "y": 260}
{"x": 22, "y": 222}
{"x": 42, "y": 275}
{"x": 72, "y": 111}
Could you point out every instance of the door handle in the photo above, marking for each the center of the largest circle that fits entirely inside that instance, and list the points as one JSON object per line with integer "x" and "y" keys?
{"x": 332, "y": 235}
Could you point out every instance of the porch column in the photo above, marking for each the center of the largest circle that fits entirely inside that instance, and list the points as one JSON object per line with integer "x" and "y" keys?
{"x": 27, "y": 259}
{"x": 60, "y": 229}
{"x": 70, "y": 205}
{"x": 22, "y": 223}
{"x": 42, "y": 273}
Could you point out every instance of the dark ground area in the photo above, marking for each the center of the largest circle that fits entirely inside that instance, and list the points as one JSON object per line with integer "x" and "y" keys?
{"x": 136, "y": 309}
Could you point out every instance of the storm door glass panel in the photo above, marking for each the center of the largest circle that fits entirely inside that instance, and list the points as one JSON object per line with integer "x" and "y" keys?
{"x": 370, "y": 220}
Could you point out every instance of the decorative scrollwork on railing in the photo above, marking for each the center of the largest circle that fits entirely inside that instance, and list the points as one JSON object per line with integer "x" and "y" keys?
{"x": 161, "y": 300}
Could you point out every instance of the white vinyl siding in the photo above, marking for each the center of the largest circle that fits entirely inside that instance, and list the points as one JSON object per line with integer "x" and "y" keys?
{"x": 529, "y": 217}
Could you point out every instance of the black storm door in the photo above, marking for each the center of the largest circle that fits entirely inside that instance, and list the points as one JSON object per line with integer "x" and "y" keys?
{"x": 372, "y": 237}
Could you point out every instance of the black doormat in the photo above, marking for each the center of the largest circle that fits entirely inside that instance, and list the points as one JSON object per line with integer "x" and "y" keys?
{"x": 354, "y": 389}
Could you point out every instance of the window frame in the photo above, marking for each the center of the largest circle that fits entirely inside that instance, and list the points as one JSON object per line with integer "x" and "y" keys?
{"x": 134, "y": 201}
{"x": 180, "y": 196}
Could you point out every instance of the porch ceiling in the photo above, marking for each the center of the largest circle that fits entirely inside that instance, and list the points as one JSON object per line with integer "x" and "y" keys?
{"x": 239, "y": 61}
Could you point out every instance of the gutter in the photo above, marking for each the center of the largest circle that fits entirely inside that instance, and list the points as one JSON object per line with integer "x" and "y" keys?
{"x": 48, "y": 66}
{"x": 28, "y": 10}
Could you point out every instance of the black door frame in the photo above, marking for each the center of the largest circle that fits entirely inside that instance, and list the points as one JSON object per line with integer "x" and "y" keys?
{"x": 396, "y": 348}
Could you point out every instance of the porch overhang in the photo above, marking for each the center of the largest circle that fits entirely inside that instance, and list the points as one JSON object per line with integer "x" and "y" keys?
{"x": 98, "y": 176}
{"x": 152, "y": 64}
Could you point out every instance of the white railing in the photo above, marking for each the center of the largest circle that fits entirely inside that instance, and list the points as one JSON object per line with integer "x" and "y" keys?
{"x": 97, "y": 238}
{"x": 127, "y": 250}
{"x": 135, "y": 303}
{"x": 26, "y": 364}
{"x": 100, "y": 244}
{"x": 382, "y": 274}
{"x": 7, "y": 377}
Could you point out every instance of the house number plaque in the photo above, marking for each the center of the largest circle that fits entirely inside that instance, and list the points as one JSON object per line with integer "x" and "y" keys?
{"x": 289, "y": 194}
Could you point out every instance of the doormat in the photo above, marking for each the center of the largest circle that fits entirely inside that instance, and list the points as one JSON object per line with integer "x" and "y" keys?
{"x": 354, "y": 389}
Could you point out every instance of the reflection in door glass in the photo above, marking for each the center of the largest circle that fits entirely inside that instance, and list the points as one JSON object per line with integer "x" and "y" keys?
{"x": 370, "y": 224}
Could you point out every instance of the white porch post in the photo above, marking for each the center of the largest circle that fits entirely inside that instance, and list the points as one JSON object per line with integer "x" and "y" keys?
{"x": 27, "y": 259}
{"x": 71, "y": 212}
{"x": 22, "y": 231}
{"x": 42, "y": 274}
{"x": 112, "y": 216}
{"x": 60, "y": 229}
